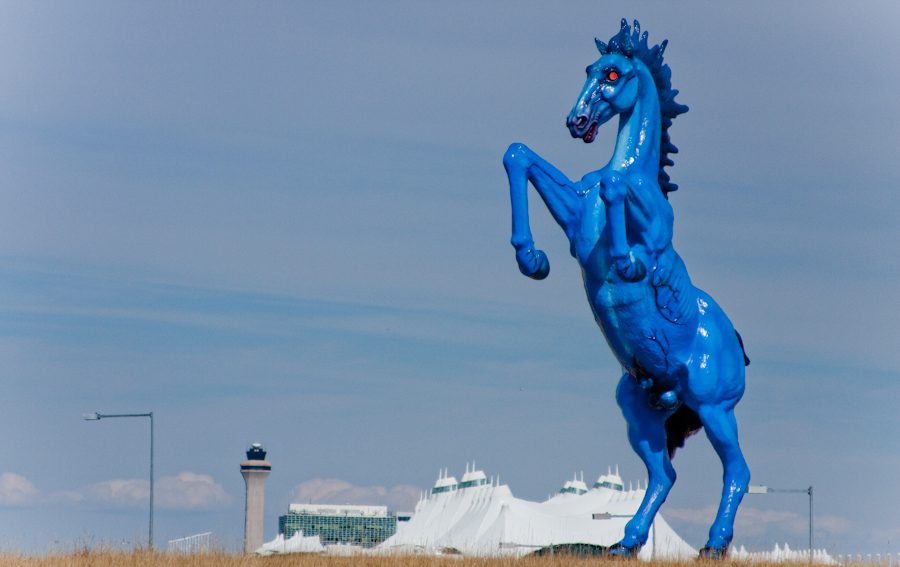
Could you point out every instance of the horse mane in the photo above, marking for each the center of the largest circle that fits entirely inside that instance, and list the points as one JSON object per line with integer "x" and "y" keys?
{"x": 631, "y": 43}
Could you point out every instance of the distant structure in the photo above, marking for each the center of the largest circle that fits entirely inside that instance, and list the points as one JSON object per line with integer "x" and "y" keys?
{"x": 787, "y": 555}
{"x": 575, "y": 486}
{"x": 478, "y": 516}
{"x": 255, "y": 470}
{"x": 197, "y": 543}
{"x": 365, "y": 526}
{"x": 610, "y": 480}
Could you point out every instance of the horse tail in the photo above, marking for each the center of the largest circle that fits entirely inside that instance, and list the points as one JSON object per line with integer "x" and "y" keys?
{"x": 679, "y": 426}
{"x": 743, "y": 350}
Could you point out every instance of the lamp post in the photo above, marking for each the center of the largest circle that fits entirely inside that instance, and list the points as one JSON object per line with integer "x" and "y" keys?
{"x": 759, "y": 489}
{"x": 95, "y": 416}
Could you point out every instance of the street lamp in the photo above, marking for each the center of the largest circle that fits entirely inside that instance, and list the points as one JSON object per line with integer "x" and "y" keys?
{"x": 759, "y": 489}
{"x": 95, "y": 416}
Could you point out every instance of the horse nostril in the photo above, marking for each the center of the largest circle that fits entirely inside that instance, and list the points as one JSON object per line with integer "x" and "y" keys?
{"x": 581, "y": 121}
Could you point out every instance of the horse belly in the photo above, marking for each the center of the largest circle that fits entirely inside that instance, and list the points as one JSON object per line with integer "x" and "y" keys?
{"x": 716, "y": 361}
{"x": 638, "y": 335}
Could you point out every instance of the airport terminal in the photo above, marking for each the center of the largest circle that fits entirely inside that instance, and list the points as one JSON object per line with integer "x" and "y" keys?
{"x": 477, "y": 515}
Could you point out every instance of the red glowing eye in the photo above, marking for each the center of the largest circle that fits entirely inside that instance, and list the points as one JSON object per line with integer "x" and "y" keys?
{"x": 612, "y": 76}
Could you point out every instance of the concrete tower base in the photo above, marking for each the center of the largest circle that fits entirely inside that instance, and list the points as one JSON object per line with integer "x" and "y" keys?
{"x": 255, "y": 470}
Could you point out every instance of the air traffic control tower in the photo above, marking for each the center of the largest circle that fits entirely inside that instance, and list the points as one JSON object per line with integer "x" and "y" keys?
{"x": 255, "y": 470}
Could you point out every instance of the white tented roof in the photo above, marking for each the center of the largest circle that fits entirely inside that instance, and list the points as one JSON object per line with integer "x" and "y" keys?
{"x": 445, "y": 482}
{"x": 574, "y": 486}
{"x": 486, "y": 519}
{"x": 296, "y": 544}
{"x": 610, "y": 480}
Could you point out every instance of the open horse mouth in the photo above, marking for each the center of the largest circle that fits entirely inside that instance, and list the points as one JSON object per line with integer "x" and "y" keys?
{"x": 584, "y": 126}
{"x": 591, "y": 133}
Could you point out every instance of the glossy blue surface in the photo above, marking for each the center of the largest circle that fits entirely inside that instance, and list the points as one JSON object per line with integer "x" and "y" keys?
{"x": 683, "y": 361}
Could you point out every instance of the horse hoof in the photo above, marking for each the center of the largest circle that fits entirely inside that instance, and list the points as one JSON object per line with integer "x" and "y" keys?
{"x": 623, "y": 551}
{"x": 713, "y": 553}
{"x": 533, "y": 263}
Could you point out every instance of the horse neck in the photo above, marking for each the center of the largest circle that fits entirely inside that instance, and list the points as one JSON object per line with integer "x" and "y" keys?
{"x": 637, "y": 145}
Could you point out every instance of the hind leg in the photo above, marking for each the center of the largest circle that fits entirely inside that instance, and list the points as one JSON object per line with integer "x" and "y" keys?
{"x": 647, "y": 435}
{"x": 721, "y": 429}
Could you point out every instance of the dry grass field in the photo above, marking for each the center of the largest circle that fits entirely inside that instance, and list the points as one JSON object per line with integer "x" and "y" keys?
{"x": 146, "y": 559}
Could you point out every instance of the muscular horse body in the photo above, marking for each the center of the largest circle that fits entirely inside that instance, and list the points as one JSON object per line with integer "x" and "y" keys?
{"x": 683, "y": 361}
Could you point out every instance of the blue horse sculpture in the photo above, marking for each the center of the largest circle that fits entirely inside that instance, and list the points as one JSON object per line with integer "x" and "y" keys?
{"x": 683, "y": 361}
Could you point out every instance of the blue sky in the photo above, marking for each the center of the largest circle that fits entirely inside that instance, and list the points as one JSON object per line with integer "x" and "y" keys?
{"x": 288, "y": 223}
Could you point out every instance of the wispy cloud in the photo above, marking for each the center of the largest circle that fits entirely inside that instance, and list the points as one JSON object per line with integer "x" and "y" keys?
{"x": 184, "y": 491}
{"x": 193, "y": 491}
{"x": 754, "y": 522}
{"x": 333, "y": 491}
{"x": 118, "y": 492}
{"x": 16, "y": 490}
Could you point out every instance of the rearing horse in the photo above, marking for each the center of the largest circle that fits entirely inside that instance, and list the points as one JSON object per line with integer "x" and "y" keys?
{"x": 683, "y": 361}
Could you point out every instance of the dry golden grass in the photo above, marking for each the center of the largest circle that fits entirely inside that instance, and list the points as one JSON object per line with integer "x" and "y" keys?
{"x": 88, "y": 558}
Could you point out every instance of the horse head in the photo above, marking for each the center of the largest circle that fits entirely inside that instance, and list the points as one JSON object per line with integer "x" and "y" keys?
{"x": 611, "y": 86}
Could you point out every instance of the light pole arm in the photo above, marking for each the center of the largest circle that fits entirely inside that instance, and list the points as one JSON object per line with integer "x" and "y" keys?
{"x": 102, "y": 415}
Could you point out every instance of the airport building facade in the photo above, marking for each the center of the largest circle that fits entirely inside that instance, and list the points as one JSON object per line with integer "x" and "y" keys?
{"x": 365, "y": 526}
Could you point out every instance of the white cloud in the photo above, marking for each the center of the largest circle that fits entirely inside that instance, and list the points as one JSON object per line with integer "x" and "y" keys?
{"x": 16, "y": 490}
{"x": 833, "y": 524}
{"x": 119, "y": 492}
{"x": 402, "y": 497}
{"x": 184, "y": 491}
{"x": 193, "y": 491}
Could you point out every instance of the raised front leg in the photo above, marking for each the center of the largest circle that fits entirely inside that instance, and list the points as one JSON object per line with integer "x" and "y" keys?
{"x": 559, "y": 193}
{"x": 613, "y": 191}
{"x": 721, "y": 429}
{"x": 647, "y": 435}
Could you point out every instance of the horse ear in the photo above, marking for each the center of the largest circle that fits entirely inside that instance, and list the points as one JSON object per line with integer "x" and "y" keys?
{"x": 601, "y": 47}
{"x": 627, "y": 46}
